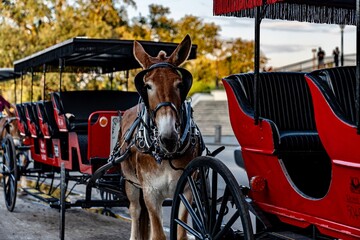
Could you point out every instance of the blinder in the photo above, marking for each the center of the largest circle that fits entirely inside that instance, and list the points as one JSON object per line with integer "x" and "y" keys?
{"x": 184, "y": 74}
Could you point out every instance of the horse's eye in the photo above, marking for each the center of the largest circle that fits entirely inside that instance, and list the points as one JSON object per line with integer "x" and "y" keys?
{"x": 147, "y": 87}
{"x": 180, "y": 85}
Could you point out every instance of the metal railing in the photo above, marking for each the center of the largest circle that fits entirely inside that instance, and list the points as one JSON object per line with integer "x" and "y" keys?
{"x": 311, "y": 64}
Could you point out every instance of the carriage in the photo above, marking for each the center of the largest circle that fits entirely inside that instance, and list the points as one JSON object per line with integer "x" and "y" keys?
{"x": 68, "y": 136}
{"x": 298, "y": 134}
{"x": 299, "y": 138}
{"x": 7, "y": 147}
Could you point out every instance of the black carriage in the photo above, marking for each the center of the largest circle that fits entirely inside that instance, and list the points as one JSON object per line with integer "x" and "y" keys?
{"x": 68, "y": 136}
{"x": 8, "y": 169}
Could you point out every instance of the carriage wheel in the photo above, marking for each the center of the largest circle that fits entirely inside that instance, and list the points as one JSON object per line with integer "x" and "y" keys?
{"x": 217, "y": 202}
{"x": 63, "y": 188}
{"x": 10, "y": 172}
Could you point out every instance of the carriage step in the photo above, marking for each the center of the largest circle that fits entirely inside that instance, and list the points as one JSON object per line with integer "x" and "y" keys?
{"x": 40, "y": 195}
{"x": 284, "y": 236}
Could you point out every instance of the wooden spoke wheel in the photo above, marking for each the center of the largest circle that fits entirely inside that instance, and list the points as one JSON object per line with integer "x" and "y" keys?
{"x": 208, "y": 192}
{"x": 10, "y": 172}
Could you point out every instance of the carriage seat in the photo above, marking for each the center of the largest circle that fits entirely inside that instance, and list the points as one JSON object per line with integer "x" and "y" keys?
{"x": 339, "y": 88}
{"x": 32, "y": 119}
{"x": 285, "y": 100}
{"x": 78, "y": 105}
{"x": 22, "y": 124}
{"x": 46, "y": 119}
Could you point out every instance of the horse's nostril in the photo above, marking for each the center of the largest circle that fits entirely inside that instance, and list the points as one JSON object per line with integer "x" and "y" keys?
{"x": 169, "y": 143}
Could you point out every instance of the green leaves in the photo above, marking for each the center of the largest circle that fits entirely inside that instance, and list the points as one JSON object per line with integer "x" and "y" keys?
{"x": 28, "y": 26}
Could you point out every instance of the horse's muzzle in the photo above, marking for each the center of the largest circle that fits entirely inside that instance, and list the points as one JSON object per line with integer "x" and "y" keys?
{"x": 169, "y": 143}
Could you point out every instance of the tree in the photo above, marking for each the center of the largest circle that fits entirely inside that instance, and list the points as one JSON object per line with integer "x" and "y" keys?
{"x": 28, "y": 26}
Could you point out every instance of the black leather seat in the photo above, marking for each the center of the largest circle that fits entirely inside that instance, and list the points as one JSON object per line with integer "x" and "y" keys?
{"x": 46, "y": 111}
{"x": 339, "y": 86}
{"x": 20, "y": 111}
{"x": 284, "y": 98}
{"x": 80, "y": 104}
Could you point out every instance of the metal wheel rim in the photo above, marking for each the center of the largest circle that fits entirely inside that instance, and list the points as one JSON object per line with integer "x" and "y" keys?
{"x": 207, "y": 223}
{"x": 10, "y": 173}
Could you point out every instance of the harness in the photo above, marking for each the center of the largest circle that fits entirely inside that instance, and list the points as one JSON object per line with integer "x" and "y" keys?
{"x": 143, "y": 133}
{"x": 146, "y": 139}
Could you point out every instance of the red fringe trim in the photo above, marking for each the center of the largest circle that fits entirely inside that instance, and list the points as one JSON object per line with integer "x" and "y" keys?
{"x": 227, "y": 6}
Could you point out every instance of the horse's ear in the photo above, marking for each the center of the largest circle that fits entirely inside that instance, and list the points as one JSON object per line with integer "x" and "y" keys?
{"x": 141, "y": 56}
{"x": 182, "y": 52}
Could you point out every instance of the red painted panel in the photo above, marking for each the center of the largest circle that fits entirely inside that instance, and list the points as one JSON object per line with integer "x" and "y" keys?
{"x": 337, "y": 214}
{"x": 99, "y": 133}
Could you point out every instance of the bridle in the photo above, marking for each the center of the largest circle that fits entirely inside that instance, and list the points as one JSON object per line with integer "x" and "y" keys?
{"x": 184, "y": 74}
{"x": 146, "y": 138}
{"x": 164, "y": 104}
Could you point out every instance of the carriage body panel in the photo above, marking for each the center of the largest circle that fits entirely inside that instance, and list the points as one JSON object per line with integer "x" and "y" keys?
{"x": 334, "y": 95}
{"x": 283, "y": 195}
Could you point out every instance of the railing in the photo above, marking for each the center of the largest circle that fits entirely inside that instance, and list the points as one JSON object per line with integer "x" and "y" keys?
{"x": 312, "y": 64}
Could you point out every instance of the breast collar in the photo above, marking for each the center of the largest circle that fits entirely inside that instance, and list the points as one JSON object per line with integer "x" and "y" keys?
{"x": 146, "y": 136}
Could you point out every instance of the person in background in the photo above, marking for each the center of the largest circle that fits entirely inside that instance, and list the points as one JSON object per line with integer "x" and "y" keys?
{"x": 321, "y": 57}
{"x": 336, "y": 54}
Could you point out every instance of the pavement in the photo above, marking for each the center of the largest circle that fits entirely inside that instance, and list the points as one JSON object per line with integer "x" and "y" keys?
{"x": 34, "y": 220}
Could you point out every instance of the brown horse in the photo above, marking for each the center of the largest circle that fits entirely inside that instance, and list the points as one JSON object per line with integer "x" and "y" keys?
{"x": 8, "y": 125}
{"x": 161, "y": 137}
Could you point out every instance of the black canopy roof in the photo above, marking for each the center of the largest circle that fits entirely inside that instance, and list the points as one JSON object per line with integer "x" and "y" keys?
{"x": 317, "y": 11}
{"x": 8, "y": 74}
{"x": 85, "y": 54}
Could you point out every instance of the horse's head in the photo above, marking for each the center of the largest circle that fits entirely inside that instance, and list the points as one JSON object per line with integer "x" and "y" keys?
{"x": 163, "y": 86}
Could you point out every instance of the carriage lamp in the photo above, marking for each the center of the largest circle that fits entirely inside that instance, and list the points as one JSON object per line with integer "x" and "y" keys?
{"x": 103, "y": 121}
{"x": 257, "y": 183}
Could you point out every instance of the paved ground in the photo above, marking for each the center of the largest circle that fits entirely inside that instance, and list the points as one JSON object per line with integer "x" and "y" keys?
{"x": 32, "y": 220}
{"x": 35, "y": 220}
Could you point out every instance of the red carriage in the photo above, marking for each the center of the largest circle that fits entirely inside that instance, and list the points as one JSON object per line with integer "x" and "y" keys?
{"x": 299, "y": 138}
{"x": 69, "y": 135}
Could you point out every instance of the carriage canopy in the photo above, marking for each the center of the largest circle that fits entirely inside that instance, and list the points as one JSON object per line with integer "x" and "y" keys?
{"x": 89, "y": 54}
{"x": 7, "y": 74}
{"x": 344, "y": 12}
{"x": 317, "y": 11}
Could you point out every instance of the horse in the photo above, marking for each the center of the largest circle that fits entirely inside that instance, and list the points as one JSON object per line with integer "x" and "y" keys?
{"x": 8, "y": 125}
{"x": 160, "y": 136}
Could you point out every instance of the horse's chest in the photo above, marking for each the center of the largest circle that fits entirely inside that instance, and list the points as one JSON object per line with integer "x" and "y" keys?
{"x": 163, "y": 182}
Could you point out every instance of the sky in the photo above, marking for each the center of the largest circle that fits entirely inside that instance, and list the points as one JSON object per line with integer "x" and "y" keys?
{"x": 282, "y": 42}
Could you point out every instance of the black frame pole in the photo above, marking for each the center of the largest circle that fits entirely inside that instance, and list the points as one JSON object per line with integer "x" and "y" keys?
{"x": 32, "y": 85}
{"x": 21, "y": 87}
{"x": 127, "y": 80}
{"x": 257, "y": 63}
{"x": 61, "y": 68}
{"x": 357, "y": 101}
{"x": 111, "y": 76}
{"x": 44, "y": 81}
{"x": 15, "y": 89}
